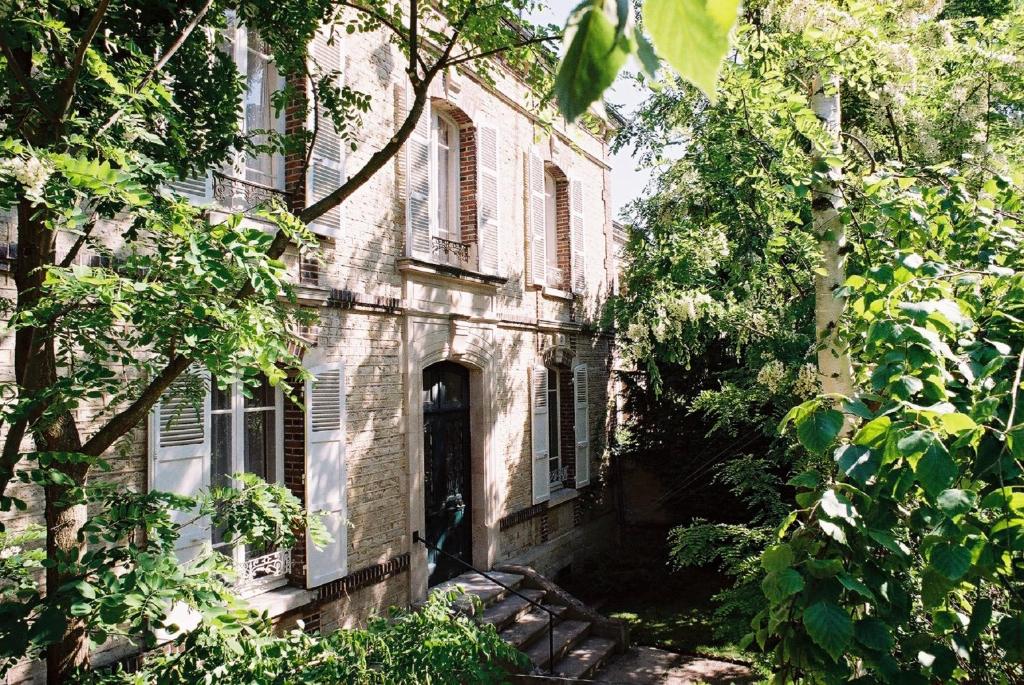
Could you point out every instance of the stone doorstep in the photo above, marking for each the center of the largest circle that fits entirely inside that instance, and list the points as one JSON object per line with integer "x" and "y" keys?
{"x": 475, "y": 584}
{"x": 567, "y": 635}
{"x": 507, "y": 612}
{"x": 531, "y": 626}
{"x": 589, "y": 656}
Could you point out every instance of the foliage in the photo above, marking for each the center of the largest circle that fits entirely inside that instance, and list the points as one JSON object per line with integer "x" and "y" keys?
{"x": 433, "y": 645}
{"x": 718, "y": 296}
{"x": 692, "y": 35}
{"x": 905, "y": 559}
{"x": 128, "y": 579}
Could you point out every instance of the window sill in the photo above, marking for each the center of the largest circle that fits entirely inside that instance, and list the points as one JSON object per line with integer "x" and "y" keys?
{"x": 445, "y": 271}
{"x": 562, "y": 496}
{"x": 281, "y": 600}
{"x": 557, "y": 294}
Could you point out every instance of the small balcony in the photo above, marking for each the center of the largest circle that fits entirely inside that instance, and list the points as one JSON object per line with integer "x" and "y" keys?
{"x": 240, "y": 195}
{"x": 452, "y": 253}
{"x": 263, "y": 573}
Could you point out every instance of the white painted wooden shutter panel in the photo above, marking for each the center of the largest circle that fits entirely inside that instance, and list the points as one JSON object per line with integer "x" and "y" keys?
{"x": 487, "y": 198}
{"x": 179, "y": 448}
{"x": 581, "y": 420}
{"x": 197, "y": 190}
{"x": 540, "y": 414}
{"x": 418, "y": 180}
{"x": 327, "y": 161}
{"x": 326, "y": 473}
{"x": 537, "y": 219}
{"x": 576, "y": 236}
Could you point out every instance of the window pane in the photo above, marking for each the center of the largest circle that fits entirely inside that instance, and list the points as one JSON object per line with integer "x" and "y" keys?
{"x": 551, "y": 221}
{"x": 553, "y": 417}
{"x": 258, "y": 110}
{"x": 260, "y": 457}
{"x": 221, "y": 467}
{"x": 219, "y": 399}
{"x": 262, "y": 394}
{"x": 442, "y": 189}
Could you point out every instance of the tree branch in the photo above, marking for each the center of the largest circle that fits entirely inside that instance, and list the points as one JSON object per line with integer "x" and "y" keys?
{"x": 467, "y": 57}
{"x": 164, "y": 59}
{"x": 67, "y": 86}
{"x": 383, "y": 19}
{"x": 22, "y": 78}
{"x": 895, "y": 132}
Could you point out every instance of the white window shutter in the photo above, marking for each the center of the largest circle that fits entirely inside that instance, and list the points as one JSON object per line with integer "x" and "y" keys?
{"x": 326, "y": 472}
{"x": 418, "y": 178}
{"x": 537, "y": 219}
{"x": 198, "y": 191}
{"x": 487, "y": 198}
{"x": 540, "y": 414}
{"x": 581, "y": 420}
{"x": 179, "y": 448}
{"x": 576, "y": 236}
{"x": 327, "y": 160}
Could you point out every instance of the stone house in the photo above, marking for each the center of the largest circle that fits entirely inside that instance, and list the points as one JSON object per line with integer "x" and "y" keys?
{"x": 462, "y": 378}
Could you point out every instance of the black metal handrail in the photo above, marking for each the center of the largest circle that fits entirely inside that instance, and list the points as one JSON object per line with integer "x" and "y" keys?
{"x": 551, "y": 614}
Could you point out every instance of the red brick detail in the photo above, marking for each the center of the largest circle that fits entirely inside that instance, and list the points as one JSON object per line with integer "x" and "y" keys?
{"x": 295, "y": 473}
{"x": 295, "y": 115}
{"x": 309, "y": 270}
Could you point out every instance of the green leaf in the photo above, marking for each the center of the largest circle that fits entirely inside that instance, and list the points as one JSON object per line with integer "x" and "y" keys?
{"x": 837, "y": 506}
{"x": 936, "y": 470}
{"x": 854, "y": 585}
{"x": 818, "y": 430}
{"x": 952, "y": 561}
{"x": 830, "y": 627}
{"x": 873, "y": 433}
{"x": 596, "y": 52}
{"x": 693, "y": 36}
{"x": 956, "y": 502}
{"x": 833, "y": 530}
{"x": 858, "y": 463}
{"x": 779, "y": 585}
{"x": 874, "y": 633}
{"x": 981, "y": 616}
{"x": 1011, "y": 636}
{"x": 809, "y": 479}
{"x": 777, "y": 557}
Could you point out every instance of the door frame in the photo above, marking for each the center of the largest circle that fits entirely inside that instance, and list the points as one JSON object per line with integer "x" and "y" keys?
{"x": 429, "y": 340}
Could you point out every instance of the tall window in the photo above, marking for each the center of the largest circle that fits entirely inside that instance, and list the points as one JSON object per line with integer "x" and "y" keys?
{"x": 554, "y": 431}
{"x": 551, "y": 228}
{"x": 261, "y": 81}
{"x": 246, "y": 435}
{"x": 445, "y": 149}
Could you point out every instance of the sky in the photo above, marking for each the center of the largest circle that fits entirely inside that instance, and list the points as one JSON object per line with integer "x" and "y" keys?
{"x": 628, "y": 182}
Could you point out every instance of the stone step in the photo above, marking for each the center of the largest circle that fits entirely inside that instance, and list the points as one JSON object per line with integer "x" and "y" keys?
{"x": 567, "y": 635}
{"x": 531, "y": 626}
{"x": 583, "y": 661}
{"x": 475, "y": 584}
{"x": 508, "y": 611}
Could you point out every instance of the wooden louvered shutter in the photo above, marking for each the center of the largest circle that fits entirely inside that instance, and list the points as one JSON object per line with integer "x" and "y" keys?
{"x": 327, "y": 161}
{"x": 418, "y": 181}
{"x": 577, "y": 237}
{"x": 536, "y": 219}
{"x": 179, "y": 447}
{"x": 540, "y": 413}
{"x": 581, "y": 417}
{"x": 487, "y": 198}
{"x": 326, "y": 472}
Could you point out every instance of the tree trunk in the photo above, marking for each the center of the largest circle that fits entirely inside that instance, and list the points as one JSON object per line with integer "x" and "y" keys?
{"x": 834, "y": 368}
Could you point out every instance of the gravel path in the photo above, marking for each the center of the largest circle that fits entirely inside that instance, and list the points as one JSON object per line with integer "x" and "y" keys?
{"x": 652, "y": 666}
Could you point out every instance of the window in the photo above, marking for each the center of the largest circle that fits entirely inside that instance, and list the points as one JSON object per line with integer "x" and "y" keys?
{"x": 551, "y": 227}
{"x": 555, "y": 467}
{"x": 445, "y": 151}
{"x": 246, "y": 437}
{"x": 261, "y": 81}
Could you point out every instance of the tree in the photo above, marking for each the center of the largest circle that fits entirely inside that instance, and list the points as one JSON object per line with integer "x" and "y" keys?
{"x": 103, "y": 104}
{"x": 724, "y": 254}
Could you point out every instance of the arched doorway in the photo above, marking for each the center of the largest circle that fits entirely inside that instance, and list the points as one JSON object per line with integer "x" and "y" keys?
{"x": 446, "y": 469}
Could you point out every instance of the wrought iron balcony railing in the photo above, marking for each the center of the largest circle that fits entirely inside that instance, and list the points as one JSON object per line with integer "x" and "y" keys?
{"x": 263, "y": 573}
{"x": 450, "y": 251}
{"x": 242, "y": 195}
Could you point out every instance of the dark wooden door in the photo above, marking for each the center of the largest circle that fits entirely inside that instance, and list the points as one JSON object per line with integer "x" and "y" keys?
{"x": 447, "y": 497}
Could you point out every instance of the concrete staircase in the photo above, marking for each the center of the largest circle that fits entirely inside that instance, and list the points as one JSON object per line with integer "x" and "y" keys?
{"x": 583, "y": 640}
